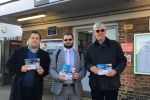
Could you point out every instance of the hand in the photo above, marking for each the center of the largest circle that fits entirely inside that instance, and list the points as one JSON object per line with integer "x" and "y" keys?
{"x": 111, "y": 73}
{"x": 40, "y": 70}
{"x": 62, "y": 78}
{"x": 94, "y": 69}
{"x": 76, "y": 76}
{"x": 25, "y": 68}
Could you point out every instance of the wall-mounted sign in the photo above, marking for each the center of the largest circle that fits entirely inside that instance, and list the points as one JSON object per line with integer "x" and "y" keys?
{"x": 128, "y": 60}
{"x": 142, "y": 53}
{"x": 3, "y": 29}
{"x": 127, "y": 47}
{"x": 51, "y": 45}
{"x": 52, "y": 30}
{"x": 16, "y": 43}
{"x": 129, "y": 26}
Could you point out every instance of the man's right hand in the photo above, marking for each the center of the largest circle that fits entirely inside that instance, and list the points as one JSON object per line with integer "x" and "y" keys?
{"x": 25, "y": 68}
{"x": 94, "y": 69}
{"x": 62, "y": 78}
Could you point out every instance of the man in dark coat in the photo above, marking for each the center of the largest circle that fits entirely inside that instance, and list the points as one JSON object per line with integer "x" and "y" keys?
{"x": 108, "y": 53}
{"x": 27, "y": 83}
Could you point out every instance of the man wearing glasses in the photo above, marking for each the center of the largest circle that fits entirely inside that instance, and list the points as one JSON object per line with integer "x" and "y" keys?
{"x": 105, "y": 61}
{"x": 67, "y": 70}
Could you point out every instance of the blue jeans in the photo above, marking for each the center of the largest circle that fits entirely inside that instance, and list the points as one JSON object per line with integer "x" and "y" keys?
{"x": 107, "y": 94}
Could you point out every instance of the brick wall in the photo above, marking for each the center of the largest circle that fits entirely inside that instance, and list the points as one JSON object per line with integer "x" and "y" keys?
{"x": 60, "y": 31}
{"x": 133, "y": 86}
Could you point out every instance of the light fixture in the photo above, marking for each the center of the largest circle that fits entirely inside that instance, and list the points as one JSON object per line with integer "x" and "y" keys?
{"x": 32, "y": 17}
{"x": 3, "y": 1}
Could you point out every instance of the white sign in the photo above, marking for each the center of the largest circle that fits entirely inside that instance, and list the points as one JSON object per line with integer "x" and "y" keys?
{"x": 128, "y": 60}
{"x": 142, "y": 53}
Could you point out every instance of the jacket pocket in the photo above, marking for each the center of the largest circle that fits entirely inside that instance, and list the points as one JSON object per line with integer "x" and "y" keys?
{"x": 114, "y": 81}
{"x": 92, "y": 81}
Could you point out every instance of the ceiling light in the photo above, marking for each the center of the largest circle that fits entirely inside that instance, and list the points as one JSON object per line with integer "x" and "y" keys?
{"x": 3, "y": 1}
{"x": 32, "y": 17}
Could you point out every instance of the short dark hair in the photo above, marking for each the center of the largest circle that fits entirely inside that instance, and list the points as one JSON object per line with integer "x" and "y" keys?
{"x": 68, "y": 34}
{"x": 35, "y": 32}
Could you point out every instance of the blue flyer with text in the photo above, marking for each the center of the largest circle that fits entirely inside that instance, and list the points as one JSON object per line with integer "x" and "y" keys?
{"x": 33, "y": 63}
{"x": 103, "y": 69}
{"x": 65, "y": 70}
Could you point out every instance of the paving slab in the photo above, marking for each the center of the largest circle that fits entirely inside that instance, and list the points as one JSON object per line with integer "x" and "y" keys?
{"x": 47, "y": 95}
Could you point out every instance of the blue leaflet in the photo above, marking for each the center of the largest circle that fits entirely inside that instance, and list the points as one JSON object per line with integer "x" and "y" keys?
{"x": 33, "y": 63}
{"x": 28, "y": 61}
{"x": 65, "y": 69}
{"x": 101, "y": 67}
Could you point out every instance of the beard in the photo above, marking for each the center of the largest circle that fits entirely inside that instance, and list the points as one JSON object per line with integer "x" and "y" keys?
{"x": 68, "y": 46}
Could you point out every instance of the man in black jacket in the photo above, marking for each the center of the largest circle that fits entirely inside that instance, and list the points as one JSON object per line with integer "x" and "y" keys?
{"x": 104, "y": 52}
{"x": 27, "y": 84}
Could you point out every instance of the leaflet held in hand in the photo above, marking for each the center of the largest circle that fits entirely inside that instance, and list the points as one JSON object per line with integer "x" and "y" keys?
{"x": 68, "y": 71}
{"x": 33, "y": 63}
{"x": 103, "y": 69}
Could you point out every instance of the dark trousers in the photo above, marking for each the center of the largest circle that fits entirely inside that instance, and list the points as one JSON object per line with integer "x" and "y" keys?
{"x": 107, "y": 94}
{"x": 28, "y": 94}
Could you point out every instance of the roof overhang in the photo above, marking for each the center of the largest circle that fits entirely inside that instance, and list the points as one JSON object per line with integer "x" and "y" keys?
{"x": 76, "y": 10}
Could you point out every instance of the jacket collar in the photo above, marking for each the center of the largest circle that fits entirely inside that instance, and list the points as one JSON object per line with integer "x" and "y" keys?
{"x": 105, "y": 43}
{"x": 26, "y": 50}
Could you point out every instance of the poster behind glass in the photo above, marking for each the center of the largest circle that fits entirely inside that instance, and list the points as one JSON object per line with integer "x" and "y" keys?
{"x": 51, "y": 45}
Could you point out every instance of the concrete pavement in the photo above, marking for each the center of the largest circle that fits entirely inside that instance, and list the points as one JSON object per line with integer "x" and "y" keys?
{"x": 47, "y": 95}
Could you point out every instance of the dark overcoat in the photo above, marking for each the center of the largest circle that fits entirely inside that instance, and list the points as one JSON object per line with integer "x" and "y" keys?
{"x": 15, "y": 63}
{"x": 110, "y": 52}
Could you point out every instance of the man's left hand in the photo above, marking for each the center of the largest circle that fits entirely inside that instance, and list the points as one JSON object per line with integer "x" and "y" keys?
{"x": 111, "y": 73}
{"x": 76, "y": 75}
{"x": 40, "y": 70}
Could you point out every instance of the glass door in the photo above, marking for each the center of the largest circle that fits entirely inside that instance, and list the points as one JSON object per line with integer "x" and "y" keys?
{"x": 84, "y": 38}
{"x": 112, "y": 32}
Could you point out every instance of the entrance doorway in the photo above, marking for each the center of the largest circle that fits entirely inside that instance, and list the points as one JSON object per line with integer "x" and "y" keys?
{"x": 84, "y": 37}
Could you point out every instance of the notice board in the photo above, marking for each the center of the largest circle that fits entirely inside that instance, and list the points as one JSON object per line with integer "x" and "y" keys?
{"x": 142, "y": 53}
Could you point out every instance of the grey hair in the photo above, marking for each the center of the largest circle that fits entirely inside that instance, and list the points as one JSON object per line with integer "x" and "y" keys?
{"x": 98, "y": 24}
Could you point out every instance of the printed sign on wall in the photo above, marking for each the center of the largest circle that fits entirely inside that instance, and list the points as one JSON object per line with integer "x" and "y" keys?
{"x": 128, "y": 60}
{"x": 127, "y": 47}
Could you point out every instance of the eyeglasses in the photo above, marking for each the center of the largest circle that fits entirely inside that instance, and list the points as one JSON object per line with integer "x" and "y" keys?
{"x": 102, "y": 30}
{"x": 68, "y": 39}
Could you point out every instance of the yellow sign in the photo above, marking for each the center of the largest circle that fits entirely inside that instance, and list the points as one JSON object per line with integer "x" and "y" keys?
{"x": 129, "y": 26}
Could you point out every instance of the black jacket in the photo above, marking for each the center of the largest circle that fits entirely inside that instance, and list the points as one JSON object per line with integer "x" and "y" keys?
{"x": 110, "y": 52}
{"x": 15, "y": 63}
